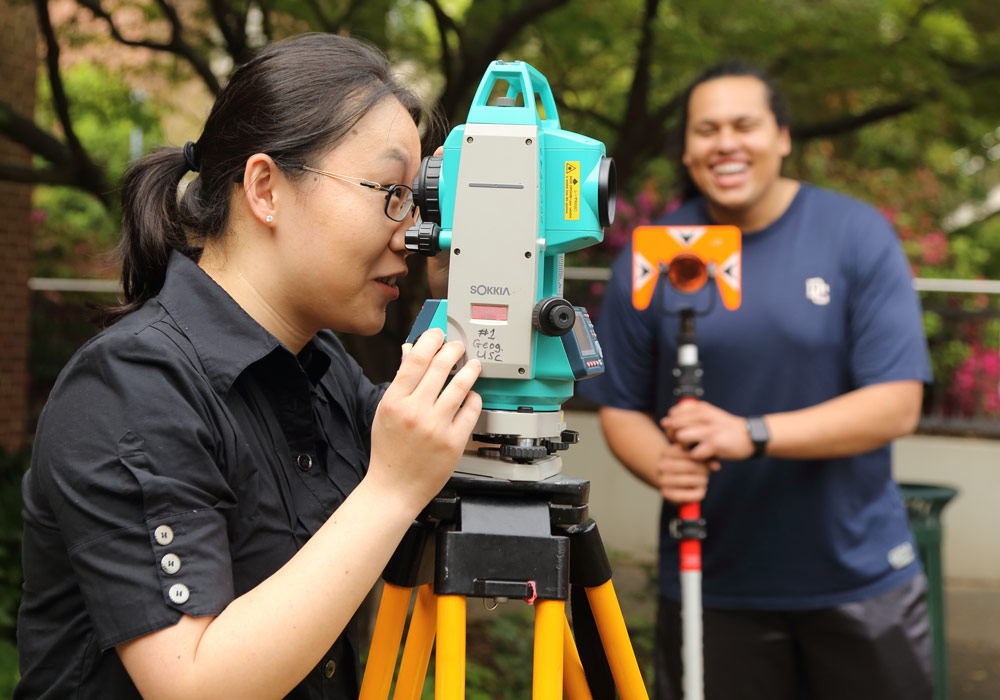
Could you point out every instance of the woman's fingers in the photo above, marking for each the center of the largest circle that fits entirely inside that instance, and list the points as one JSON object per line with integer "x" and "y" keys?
{"x": 422, "y": 392}
{"x": 468, "y": 413}
{"x": 457, "y": 390}
{"x": 438, "y": 371}
{"x": 415, "y": 361}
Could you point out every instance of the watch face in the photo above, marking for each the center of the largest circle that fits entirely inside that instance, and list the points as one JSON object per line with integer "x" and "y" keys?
{"x": 758, "y": 431}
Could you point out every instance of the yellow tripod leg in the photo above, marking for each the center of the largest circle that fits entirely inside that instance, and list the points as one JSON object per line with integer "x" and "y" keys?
{"x": 617, "y": 645}
{"x": 385, "y": 642}
{"x": 449, "y": 667}
{"x": 574, "y": 679}
{"x": 547, "y": 675}
{"x": 417, "y": 651}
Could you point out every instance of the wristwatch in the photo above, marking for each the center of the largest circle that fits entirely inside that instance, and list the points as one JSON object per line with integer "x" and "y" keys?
{"x": 759, "y": 435}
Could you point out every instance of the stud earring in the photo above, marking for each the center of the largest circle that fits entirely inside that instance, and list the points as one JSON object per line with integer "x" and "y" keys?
{"x": 268, "y": 218}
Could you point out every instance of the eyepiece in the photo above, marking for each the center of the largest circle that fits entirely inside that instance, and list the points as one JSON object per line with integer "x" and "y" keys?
{"x": 607, "y": 191}
{"x": 426, "y": 192}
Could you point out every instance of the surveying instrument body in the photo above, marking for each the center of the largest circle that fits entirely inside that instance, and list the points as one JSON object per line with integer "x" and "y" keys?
{"x": 510, "y": 195}
{"x": 689, "y": 259}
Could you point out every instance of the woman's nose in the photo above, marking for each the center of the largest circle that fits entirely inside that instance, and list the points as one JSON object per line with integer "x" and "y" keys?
{"x": 397, "y": 243}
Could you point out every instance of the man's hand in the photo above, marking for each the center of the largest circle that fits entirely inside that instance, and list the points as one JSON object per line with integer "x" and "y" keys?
{"x": 708, "y": 431}
{"x": 642, "y": 447}
{"x": 680, "y": 477}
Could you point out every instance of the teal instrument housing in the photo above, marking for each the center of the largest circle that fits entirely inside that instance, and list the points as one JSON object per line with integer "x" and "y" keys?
{"x": 511, "y": 194}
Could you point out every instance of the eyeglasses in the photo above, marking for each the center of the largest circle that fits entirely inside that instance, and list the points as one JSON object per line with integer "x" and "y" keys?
{"x": 398, "y": 198}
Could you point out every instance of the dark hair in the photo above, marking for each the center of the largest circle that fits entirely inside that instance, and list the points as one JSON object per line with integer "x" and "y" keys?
{"x": 295, "y": 99}
{"x": 733, "y": 68}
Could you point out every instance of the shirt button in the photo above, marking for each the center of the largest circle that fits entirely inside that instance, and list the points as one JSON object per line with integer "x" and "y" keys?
{"x": 164, "y": 534}
{"x": 304, "y": 461}
{"x": 171, "y": 563}
{"x": 179, "y": 593}
{"x": 330, "y": 668}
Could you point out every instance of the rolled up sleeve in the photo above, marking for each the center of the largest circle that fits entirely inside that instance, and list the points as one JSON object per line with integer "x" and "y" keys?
{"x": 144, "y": 514}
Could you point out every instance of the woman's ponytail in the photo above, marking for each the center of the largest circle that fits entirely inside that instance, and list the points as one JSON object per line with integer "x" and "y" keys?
{"x": 151, "y": 226}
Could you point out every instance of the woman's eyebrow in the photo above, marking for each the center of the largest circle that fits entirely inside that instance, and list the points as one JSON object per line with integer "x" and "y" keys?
{"x": 395, "y": 155}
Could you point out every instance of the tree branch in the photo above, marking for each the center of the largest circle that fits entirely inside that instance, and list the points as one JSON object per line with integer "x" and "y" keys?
{"x": 37, "y": 176}
{"x": 325, "y": 23}
{"x": 176, "y": 46}
{"x": 510, "y": 28}
{"x": 638, "y": 97}
{"x": 444, "y": 23}
{"x": 474, "y": 58}
{"x": 60, "y": 101}
{"x": 849, "y": 123}
{"x": 85, "y": 173}
{"x": 914, "y": 21}
{"x": 588, "y": 114}
{"x": 25, "y": 132}
{"x": 233, "y": 28}
{"x": 633, "y": 140}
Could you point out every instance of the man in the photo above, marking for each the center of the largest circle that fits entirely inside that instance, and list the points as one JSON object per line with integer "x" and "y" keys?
{"x": 811, "y": 584}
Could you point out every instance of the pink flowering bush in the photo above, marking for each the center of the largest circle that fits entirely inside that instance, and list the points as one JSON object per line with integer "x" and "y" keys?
{"x": 975, "y": 385}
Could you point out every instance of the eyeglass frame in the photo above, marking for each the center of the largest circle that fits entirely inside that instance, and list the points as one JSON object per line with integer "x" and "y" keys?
{"x": 373, "y": 186}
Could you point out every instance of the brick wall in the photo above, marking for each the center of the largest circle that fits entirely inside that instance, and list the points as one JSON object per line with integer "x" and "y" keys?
{"x": 18, "y": 64}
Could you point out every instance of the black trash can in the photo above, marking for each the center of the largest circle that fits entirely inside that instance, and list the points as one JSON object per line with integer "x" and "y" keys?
{"x": 924, "y": 503}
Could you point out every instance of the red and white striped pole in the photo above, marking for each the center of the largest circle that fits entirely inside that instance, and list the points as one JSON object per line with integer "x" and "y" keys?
{"x": 689, "y": 528}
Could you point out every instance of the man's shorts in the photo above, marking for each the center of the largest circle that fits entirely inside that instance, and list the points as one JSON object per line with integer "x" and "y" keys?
{"x": 874, "y": 649}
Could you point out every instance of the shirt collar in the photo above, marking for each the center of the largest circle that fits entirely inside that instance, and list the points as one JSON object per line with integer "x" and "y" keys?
{"x": 225, "y": 337}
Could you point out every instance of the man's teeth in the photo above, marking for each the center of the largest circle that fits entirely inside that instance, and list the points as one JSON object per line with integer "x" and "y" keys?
{"x": 391, "y": 281}
{"x": 730, "y": 168}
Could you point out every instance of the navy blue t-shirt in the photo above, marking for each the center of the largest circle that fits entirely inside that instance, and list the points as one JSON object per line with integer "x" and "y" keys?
{"x": 827, "y": 307}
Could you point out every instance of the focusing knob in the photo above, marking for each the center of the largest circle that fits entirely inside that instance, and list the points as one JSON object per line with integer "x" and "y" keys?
{"x": 423, "y": 238}
{"x": 553, "y": 316}
{"x": 523, "y": 453}
{"x": 426, "y": 194}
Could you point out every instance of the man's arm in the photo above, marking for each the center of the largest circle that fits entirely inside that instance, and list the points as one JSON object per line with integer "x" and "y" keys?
{"x": 641, "y": 446}
{"x": 855, "y": 422}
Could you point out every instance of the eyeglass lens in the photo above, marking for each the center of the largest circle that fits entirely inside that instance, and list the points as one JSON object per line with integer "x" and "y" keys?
{"x": 399, "y": 202}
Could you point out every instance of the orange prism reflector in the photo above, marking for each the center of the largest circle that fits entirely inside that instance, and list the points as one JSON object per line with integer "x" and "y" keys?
{"x": 688, "y": 273}
{"x": 718, "y": 248}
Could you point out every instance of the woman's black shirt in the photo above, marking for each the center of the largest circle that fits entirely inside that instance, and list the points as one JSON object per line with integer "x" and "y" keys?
{"x": 183, "y": 457}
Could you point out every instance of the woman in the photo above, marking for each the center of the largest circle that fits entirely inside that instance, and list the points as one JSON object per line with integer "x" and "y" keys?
{"x": 215, "y": 486}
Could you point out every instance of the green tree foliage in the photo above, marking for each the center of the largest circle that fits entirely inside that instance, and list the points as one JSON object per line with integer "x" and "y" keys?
{"x": 894, "y": 100}
{"x": 74, "y": 230}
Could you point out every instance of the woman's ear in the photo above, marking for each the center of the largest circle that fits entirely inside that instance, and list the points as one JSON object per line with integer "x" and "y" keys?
{"x": 261, "y": 179}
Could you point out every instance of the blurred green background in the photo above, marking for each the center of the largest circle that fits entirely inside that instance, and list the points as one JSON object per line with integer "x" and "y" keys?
{"x": 896, "y": 102}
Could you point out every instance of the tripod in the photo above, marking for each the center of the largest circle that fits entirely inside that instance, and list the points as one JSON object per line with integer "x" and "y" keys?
{"x": 492, "y": 538}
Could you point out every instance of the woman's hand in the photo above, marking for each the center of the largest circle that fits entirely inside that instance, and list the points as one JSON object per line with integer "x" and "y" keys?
{"x": 708, "y": 431}
{"x": 422, "y": 426}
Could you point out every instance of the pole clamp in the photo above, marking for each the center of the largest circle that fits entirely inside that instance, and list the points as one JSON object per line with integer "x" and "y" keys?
{"x": 688, "y": 529}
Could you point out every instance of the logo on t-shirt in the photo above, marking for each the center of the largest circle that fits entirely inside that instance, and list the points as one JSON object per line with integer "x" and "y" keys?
{"x": 817, "y": 291}
{"x": 901, "y": 555}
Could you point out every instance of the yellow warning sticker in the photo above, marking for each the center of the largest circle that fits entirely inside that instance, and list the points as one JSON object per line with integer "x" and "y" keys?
{"x": 571, "y": 210}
